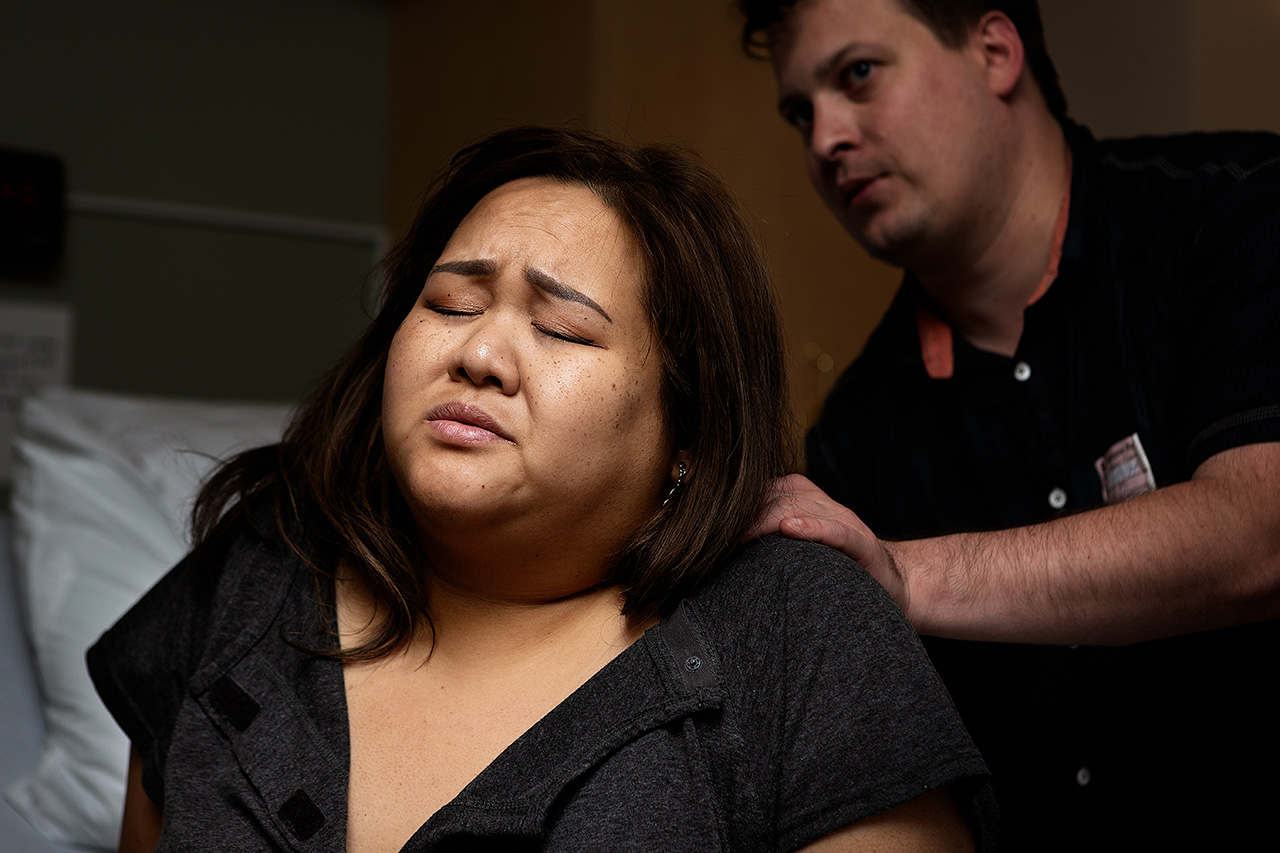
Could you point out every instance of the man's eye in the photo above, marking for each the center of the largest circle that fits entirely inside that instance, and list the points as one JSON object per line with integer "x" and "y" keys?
{"x": 856, "y": 73}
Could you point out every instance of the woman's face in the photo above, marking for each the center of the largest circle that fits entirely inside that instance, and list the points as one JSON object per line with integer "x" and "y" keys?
{"x": 523, "y": 391}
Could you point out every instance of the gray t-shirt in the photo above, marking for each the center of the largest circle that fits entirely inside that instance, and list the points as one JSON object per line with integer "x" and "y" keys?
{"x": 786, "y": 699}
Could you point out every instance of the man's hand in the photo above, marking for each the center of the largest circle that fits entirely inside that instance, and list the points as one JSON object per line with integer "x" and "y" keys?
{"x": 801, "y": 510}
{"x": 1191, "y": 556}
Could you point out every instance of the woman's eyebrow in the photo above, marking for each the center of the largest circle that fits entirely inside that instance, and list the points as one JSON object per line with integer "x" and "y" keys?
{"x": 560, "y": 290}
{"x": 466, "y": 267}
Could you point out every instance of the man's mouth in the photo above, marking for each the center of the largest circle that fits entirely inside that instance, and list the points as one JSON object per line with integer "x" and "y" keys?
{"x": 853, "y": 190}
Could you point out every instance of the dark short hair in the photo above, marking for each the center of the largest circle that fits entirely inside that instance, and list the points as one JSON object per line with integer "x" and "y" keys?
{"x": 949, "y": 20}
{"x": 715, "y": 325}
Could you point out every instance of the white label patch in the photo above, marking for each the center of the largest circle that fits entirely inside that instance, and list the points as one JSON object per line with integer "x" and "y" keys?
{"x": 1125, "y": 471}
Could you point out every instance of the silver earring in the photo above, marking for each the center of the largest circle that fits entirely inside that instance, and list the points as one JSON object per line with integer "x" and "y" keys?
{"x": 680, "y": 472}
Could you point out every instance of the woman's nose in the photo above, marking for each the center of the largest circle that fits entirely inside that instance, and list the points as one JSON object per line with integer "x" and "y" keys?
{"x": 486, "y": 357}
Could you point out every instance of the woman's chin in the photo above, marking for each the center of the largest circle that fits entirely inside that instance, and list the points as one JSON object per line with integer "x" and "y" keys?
{"x": 451, "y": 511}
{"x": 460, "y": 486}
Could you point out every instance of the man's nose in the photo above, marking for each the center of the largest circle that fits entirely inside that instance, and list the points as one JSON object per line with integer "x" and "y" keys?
{"x": 835, "y": 129}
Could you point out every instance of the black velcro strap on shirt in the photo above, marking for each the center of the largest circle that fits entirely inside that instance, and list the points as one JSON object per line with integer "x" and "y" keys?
{"x": 301, "y": 815}
{"x": 230, "y": 700}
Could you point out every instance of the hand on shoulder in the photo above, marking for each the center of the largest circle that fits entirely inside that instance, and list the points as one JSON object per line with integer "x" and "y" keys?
{"x": 800, "y": 510}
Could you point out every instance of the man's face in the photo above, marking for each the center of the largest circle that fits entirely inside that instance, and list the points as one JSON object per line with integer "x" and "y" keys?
{"x": 897, "y": 126}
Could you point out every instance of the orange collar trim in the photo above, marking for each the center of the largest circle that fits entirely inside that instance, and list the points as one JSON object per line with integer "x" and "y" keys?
{"x": 936, "y": 347}
{"x": 935, "y": 342}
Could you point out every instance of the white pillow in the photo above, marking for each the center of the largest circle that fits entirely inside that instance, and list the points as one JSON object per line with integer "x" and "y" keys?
{"x": 103, "y": 485}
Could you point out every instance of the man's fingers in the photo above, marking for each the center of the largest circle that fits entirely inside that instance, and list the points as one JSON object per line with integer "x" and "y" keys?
{"x": 782, "y": 504}
{"x": 834, "y": 533}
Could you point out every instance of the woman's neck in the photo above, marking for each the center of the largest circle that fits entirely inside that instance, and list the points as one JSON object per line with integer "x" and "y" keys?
{"x": 479, "y": 618}
{"x": 516, "y": 628}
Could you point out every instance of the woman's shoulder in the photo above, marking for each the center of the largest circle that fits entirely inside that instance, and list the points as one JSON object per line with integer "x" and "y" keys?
{"x": 218, "y": 597}
{"x": 803, "y": 578}
{"x": 830, "y": 685}
{"x": 202, "y": 617}
{"x": 781, "y": 607}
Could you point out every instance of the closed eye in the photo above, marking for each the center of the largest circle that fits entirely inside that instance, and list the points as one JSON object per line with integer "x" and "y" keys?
{"x": 452, "y": 311}
{"x": 568, "y": 337}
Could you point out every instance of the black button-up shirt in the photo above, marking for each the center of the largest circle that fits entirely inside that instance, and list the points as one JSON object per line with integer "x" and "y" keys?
{"x": 1164, "y": 323}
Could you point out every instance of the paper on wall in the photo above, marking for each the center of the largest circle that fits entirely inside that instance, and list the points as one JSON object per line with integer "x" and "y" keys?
{"x": 35, "y": 352}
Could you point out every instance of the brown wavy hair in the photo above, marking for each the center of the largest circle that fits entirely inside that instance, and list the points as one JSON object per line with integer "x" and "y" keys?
{"x": 327, "y": 490}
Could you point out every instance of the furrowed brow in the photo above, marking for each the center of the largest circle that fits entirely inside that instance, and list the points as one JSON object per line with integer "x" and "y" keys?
{"x": 466, "y": 267}
{"x": 560, "y": 290}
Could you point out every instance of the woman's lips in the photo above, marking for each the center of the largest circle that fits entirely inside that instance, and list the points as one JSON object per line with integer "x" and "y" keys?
{"x": 464, "y": 423}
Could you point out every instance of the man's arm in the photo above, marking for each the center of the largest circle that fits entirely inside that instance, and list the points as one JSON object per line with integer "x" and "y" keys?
{"x": 1187, "y": 557}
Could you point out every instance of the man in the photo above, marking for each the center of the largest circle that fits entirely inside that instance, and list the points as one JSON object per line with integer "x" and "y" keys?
{"x": 1060, "y": 450}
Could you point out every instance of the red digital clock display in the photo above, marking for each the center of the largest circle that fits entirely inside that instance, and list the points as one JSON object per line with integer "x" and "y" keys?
{"x": 32, "y": 211}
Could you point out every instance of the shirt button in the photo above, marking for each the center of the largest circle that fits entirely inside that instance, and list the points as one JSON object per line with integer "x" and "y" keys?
{"x": 1057, "y": 499}
{"x": 1083, "y": 776}
{"x": 1022, "y": 371}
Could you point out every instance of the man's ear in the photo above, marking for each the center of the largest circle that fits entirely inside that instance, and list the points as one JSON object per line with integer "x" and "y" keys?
{"x": 997, "y": 40}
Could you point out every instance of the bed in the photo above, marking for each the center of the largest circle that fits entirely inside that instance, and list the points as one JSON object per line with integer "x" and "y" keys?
{"x": 102, "y": 485}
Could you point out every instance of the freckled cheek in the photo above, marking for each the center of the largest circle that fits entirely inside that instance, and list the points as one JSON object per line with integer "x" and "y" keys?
{"x": 568, "y": 393}
{"x": 593, "y": 396}
{"x": 420, "y": 350}
{"x": 415, "y": 358}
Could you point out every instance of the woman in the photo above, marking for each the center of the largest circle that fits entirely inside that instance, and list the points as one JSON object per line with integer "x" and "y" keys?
{"x": 487, "y": 589}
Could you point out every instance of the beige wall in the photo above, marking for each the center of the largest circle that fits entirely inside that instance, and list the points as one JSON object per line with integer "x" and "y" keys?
{"x": 1165, "y": 66}
{"x": 463, "y": 68}
{"x": 1236, "y": 62}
